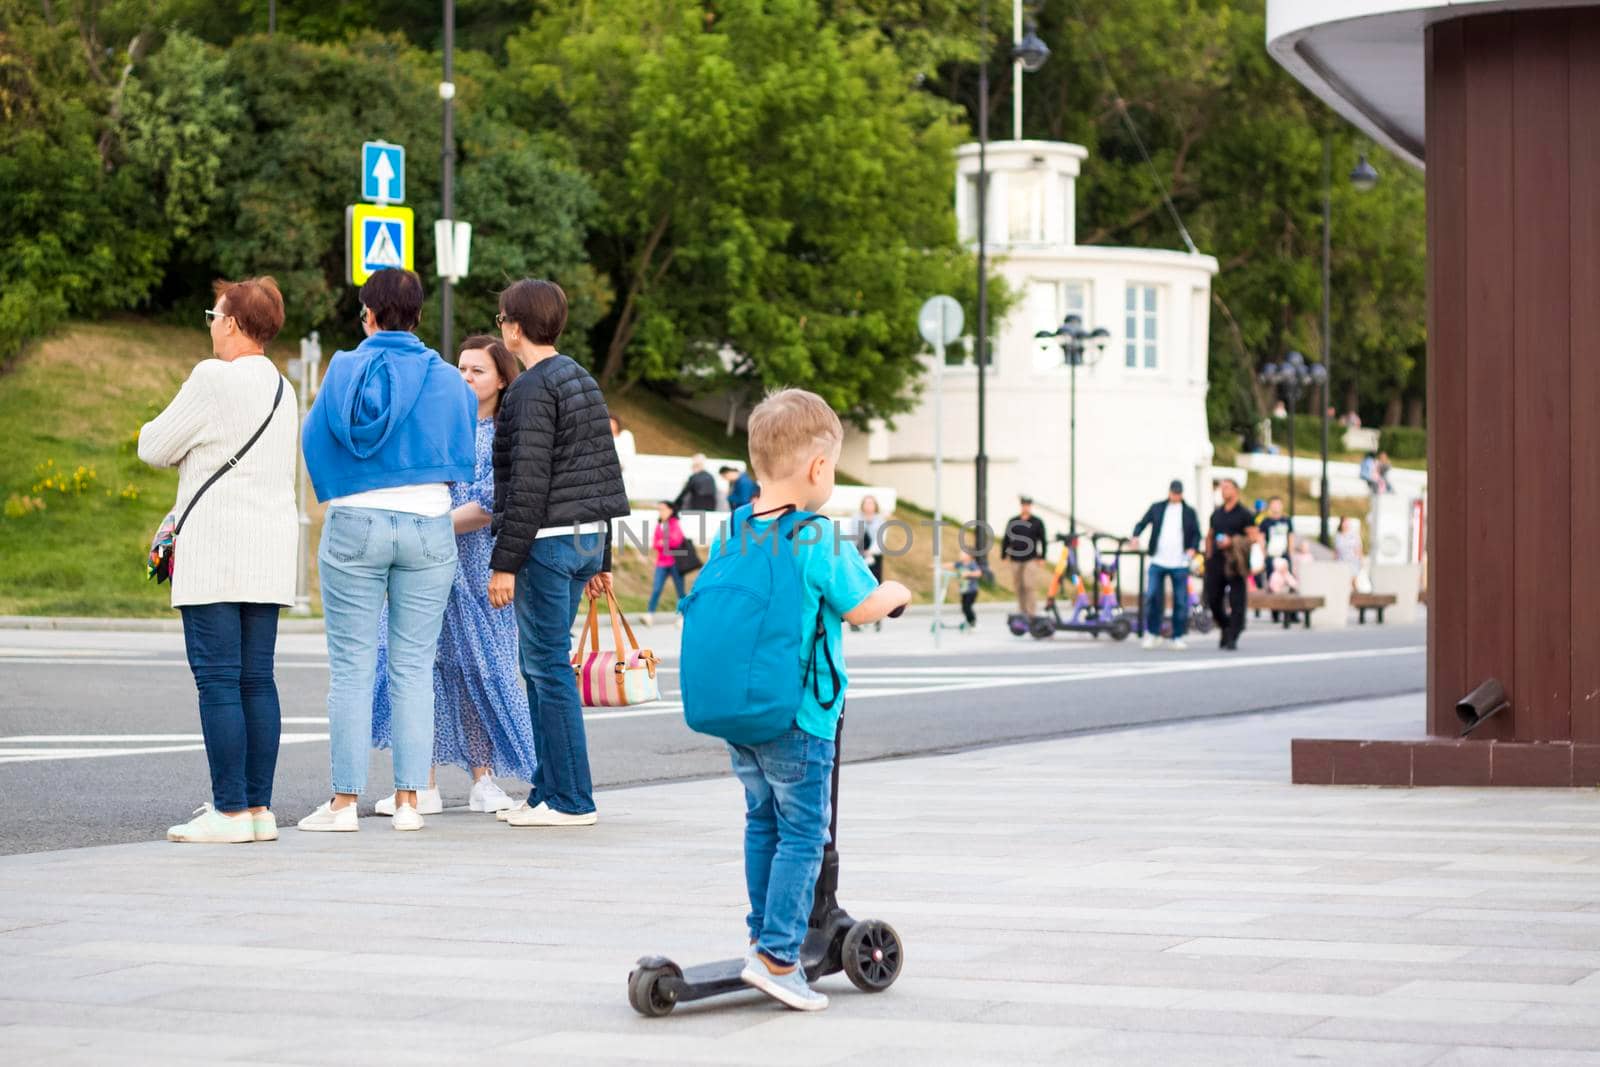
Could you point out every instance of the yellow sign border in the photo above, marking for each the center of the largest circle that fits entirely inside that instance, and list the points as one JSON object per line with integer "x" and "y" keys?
{"x": 355, "y": 215}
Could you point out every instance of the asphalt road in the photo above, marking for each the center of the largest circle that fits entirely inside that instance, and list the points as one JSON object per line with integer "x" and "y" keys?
{"x": 100, "y": 738}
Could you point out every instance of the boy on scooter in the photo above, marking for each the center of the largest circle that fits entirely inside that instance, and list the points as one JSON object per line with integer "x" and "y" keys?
{"x": 795, "y": 440}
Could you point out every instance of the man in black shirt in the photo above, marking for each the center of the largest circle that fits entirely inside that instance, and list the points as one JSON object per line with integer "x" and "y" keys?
{"x": 1021, "y": 546}
{"x": 699, "y": 493}
{"x": 1226, "y": 579}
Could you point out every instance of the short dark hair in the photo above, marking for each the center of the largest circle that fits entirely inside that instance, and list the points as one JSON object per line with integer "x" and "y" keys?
{"x": 538, "y": 306}
{"x": 255, "y": 304}
{"x": 394, "y": 296}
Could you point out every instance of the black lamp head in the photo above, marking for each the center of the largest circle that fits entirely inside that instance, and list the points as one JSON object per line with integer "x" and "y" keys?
{"x": 1364, "y": 176}
{"x": 1031, "y": 52}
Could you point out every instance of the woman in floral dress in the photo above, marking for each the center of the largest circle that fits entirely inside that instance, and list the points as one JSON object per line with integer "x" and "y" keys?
{"x": 480, "y": 719}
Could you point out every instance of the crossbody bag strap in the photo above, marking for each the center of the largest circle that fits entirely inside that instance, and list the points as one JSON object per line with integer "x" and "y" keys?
{"x": 233, "y": 461}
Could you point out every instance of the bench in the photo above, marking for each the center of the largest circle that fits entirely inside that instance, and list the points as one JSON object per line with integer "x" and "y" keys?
{"x": 1288, "y": 604}
{"x": 1365, "y": 602}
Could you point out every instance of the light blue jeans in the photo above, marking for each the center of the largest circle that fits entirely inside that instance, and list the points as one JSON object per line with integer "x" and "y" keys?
{"x": 367, "y": 554}
{"x": 787, "y": 790}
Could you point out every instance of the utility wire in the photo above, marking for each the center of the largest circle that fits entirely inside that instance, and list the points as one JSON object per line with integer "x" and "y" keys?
{"x": 1133, "y": 131}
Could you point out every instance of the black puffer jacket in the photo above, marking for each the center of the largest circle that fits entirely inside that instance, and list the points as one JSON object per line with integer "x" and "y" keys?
{"x": 554, "y": 463}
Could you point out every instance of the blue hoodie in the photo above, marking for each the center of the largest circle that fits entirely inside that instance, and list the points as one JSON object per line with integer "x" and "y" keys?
{"x": 388, "y": 414}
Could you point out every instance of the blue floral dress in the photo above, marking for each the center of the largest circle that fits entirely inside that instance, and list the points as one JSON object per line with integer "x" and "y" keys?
{"x": 480, "y": 707}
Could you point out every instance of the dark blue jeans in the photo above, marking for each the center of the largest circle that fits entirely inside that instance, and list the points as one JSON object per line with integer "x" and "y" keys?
{"x": 1156, "y": 598}
{"x": 230, "y": 650}
{"x": 549, "y": 591}
{"x": 660, "y": 583}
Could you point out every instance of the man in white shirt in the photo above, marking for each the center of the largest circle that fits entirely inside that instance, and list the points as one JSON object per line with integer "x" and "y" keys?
{"x": 1174, "y": 539}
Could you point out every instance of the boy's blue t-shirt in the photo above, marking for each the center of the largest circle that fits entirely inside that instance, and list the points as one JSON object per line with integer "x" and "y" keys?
{"x": 833, "y": 575}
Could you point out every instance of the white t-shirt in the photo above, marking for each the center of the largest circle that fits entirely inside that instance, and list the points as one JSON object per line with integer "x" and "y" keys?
{"x": 429, "y": 499}
{"x": 1169, "y": 549}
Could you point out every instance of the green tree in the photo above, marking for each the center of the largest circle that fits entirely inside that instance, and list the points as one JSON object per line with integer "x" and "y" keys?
{"x": 775, "y": 193}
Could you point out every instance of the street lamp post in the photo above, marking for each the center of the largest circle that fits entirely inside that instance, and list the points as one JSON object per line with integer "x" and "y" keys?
{"x": 1029, "y": 54}
{"x": 447, "y": 187}
{"x": 1077, "y": 344}
{"x": 1291, "y": 379}
{"x": 1363, "y": 177}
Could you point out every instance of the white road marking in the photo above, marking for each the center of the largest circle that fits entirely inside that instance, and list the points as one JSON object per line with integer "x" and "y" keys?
{"x": 929, "y": 680}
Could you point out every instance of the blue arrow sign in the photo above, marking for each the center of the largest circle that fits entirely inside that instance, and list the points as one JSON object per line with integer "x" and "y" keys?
{"x": 383, "y": 172}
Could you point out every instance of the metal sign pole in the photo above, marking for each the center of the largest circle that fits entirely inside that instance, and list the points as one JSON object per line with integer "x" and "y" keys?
{"x": 938, "y": 489}
{"x": 309, "y": 363}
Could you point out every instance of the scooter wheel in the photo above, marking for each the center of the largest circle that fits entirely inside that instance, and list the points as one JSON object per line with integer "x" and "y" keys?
{"x": 1041, "y": 628}
{"x": 872, "y": 955}
{"x": 646, "y": 993}
{"x": 1121, "y": 627}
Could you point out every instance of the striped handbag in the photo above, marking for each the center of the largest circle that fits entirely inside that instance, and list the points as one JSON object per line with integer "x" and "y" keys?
{"x": 613, "y": 679}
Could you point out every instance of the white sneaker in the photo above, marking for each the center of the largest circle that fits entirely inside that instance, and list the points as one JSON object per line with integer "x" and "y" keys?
{"x": 1178, "y": 644}
{"x": 488, "y": 796}
{"x": 265, "y": 825}
{"x": 544, "y": 815}
{"x": 505, "y": 814}
{"x": 210, "y": 827}
{"x": 1151, "y": 641}
{"x": 429, "y": 802}
{"x": 407, "y": 818}
{"x": 326, "y": 820}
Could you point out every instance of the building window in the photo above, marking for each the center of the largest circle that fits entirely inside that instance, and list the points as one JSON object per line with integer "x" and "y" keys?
{"x": 1141, "y": 309}
{"x": 1025, "y": 206}
{"x": 1048, "y": 304}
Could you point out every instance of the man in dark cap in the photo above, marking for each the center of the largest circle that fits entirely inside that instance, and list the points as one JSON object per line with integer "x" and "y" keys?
{"x": 1022, "y": 546}
{"x": 1174, "y": 539}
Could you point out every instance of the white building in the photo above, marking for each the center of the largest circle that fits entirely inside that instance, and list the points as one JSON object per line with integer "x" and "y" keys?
{"x": 1141, "y": 405}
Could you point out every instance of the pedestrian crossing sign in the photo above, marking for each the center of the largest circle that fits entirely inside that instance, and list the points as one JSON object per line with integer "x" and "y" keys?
{"x": 377, "y": 237}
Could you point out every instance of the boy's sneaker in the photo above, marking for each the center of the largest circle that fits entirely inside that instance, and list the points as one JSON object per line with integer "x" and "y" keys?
{"x": 790, "y": 989}
{"x": 1178, "y": 644}
{"x": 544, "y": 815}
{"x": 1151, "y": 641}
{"x": 265, "y": 825}
{"x": 429, "y": 802}
{"x": 326, "y": 820}
{"x": 488, "y": 796}
{"x": 210, "y": 827}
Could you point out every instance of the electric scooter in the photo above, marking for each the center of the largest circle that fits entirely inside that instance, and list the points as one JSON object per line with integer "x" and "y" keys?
{"x": 1094, "y": 611}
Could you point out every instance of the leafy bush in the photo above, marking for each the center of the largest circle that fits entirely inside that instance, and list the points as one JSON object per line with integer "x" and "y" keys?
{"x": 1404, "y": 442}
{"x": 1307, "y": 434}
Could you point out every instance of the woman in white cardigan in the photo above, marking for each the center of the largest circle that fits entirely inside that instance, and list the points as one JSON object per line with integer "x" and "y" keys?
{"x": 234, "y": 561}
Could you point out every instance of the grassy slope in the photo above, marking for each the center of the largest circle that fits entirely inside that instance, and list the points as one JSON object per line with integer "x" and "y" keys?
{"x": 79, "y": 399}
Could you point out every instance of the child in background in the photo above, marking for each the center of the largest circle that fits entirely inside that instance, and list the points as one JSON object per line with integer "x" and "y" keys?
{"x": 795, "y": 440}
{"x": 970, "y": 574}
{"x": 1282, "y": 579}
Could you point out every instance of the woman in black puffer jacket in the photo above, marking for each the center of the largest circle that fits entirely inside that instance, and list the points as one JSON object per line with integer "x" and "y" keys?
{"x": 557, "y": 486}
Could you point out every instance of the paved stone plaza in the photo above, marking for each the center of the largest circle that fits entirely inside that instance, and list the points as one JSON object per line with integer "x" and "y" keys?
{"x": 1152, "y": 896}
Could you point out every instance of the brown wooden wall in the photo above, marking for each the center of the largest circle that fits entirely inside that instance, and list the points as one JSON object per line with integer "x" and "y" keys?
{"x": 1513, "y": 157}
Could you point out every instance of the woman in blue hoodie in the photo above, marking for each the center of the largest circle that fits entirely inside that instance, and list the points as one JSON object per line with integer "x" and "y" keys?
{"x": 392, "y": 427}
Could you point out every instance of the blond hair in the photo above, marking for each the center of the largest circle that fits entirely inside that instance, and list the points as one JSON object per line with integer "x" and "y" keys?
{"x": 787, "y": 429}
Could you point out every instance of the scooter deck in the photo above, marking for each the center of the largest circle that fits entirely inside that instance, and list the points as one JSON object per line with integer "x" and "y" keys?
{"x": 708, "y": 980}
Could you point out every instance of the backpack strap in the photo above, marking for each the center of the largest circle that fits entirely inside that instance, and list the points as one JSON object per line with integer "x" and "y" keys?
{"x": 233, "y": 461}
{"x": 819, "y": 637}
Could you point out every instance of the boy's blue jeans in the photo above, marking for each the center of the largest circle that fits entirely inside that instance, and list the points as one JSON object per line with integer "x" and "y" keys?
{"x": 787, "y": 798}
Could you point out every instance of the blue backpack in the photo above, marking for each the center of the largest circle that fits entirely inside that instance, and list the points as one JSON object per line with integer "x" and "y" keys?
{"x": 744, "y": 664}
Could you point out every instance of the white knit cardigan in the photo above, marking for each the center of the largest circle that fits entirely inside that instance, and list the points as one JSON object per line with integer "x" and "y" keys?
{"x": 239, "y": 543}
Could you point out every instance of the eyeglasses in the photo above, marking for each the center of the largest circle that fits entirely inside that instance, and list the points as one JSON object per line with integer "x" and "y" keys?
{"x": 362, "y": 318}
{"x": 212, "y": 314}
{"x": 501, "y": 318}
